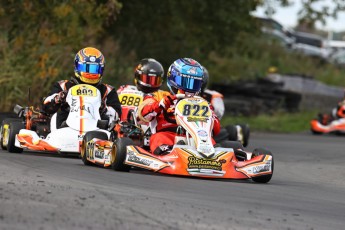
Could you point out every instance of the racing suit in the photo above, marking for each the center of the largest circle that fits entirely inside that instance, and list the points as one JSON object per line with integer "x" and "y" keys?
{"x": 130, "y": 98}
{"x": 163, "y": 132}
{"x": 340, "y": 110}
{"x": 216, "y": 100}
{"x": 110, "y": 109}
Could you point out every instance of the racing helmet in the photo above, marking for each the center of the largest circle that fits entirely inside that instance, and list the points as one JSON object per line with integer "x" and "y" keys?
{"x": 185, "y": 76}
{"x": 88, "y": 66}
{"x": 204, "y": 80}
{"x": 148, "y": 75}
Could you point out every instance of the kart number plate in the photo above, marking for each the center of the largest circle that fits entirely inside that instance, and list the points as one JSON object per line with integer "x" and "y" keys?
{"x": 130, "y": 99}
{"x": 194, "y": 109}
{"x": 84, "y": 90}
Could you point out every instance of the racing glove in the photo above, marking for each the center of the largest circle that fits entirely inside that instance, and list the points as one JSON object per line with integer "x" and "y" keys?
{"x": 167, "y": 101}
{"x": 111, "y": 114}
{"x": 60, "y": 97}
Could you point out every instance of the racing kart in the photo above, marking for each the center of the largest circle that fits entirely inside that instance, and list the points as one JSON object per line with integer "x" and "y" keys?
{"x": 97, "y": 147}
{"x": 194, "y": 153}
{"x": 327, "y": 124}
{"x": 33, "y": 132}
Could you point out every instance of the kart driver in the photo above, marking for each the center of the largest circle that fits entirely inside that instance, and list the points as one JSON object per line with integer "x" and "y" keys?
{"x": 184, "y": 77}
{"x": 337, "y": 113}
{"x": 148, "y": 78}
{"x": 212, "y": 96}
{"x": 88, "y": 69}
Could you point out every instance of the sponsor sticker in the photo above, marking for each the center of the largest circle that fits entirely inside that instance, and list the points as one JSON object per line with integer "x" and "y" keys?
{"x": 202, "y": 133}
{"x": 135, "y": 159}
{"x": 199, "y": 163}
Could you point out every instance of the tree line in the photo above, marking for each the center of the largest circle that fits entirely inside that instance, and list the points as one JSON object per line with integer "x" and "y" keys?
{"x": 39, "y": 39}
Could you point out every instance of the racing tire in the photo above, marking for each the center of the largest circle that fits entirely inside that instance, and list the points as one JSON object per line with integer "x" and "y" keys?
{"x": 232, "y": 144}
{"x": 3, "y": 123}
{"x": 221, "y": 136}
{"x": 315, "y": 132}
{"x": 246, "y": 133}
{"x": 232, "y": 131}
{"x": 263, "y": 178}
{"x": 13, "y": 129}
{"x": 118, "y": 154}
{"x": 88, "y": 137}
{"x": 239, "y": 152}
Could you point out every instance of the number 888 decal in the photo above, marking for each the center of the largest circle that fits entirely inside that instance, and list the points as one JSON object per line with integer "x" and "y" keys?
{"x": 130, "y": 99}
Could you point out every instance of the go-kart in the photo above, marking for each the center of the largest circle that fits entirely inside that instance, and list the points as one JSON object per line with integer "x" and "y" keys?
{"x": 33, "y": 131}
{"x": 28, "y": 118}
{"x": 326, "y": 123}
{"x": 194, "y": 153}
{"x": 97, "y": 147}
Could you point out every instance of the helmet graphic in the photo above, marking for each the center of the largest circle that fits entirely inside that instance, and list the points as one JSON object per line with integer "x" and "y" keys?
{"x": 89, "y": 66}
{"x": 185, "y": 75}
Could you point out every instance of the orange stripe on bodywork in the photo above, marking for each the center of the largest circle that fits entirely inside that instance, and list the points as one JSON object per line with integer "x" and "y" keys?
{"x": 81, "y": 124}
{"x": 81, "y": 113}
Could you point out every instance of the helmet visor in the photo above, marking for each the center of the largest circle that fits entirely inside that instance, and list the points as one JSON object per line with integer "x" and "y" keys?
{"x": 189, "y": 84}
{"x": 150, "y": 81}
{"x": 90, "y": 68}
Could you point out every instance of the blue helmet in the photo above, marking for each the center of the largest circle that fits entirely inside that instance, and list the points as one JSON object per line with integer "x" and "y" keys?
{"x": 185, "y": 74}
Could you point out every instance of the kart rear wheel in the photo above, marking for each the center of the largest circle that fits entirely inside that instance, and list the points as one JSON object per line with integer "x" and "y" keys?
{"x": 84, "y": 146}
{"x": 221, "y": 136}
{"x": 13, "y": 129}
{"x": 232, "y": 131}
{"x": 238, "y": 149}
{"x": 263, "y": 178}
{"x": 3, "y": 123}
{"x": 245, "y": 133}
{"x": 118, "y": 154}
{"x": 232, "y": 144}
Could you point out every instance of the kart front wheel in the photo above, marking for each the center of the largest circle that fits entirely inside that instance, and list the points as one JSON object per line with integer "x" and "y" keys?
{"x": 263, "y": 178}
{"x": 315, "y": 132}
{"x": 13, "y": 129}
{"x": 4, "y": 131}
{"x": 232, "y": 131}
{"x": 118, "y": 154}
{"x": 85, "y": 144}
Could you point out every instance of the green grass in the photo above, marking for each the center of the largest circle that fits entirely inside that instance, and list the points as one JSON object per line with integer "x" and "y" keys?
{"x": 280, "y": 122}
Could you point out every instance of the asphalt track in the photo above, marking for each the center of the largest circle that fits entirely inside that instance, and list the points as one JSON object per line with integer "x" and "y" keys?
{"x": 307, "y": 191}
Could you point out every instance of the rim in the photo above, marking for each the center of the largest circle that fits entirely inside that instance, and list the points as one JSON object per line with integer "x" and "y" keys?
{"x": 5, "y": 136}
{"x": 82, "y": 151}
{"x": 113, "y": 154}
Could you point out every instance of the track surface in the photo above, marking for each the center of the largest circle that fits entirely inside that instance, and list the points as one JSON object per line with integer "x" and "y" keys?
{"x": 307, "y": 191}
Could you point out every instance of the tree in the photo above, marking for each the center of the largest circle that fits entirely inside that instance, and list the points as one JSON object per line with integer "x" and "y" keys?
{"x": 40, "y": 38}
{"x": 312, "y": 11}
{"x": 171, "y": 29}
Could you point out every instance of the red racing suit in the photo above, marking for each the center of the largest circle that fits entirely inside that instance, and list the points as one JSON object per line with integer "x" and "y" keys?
{"x": 130, "y": 98}
{"x": 163, "y": 132}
